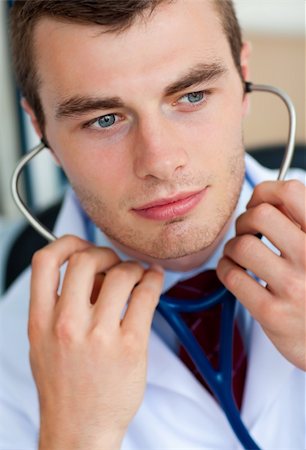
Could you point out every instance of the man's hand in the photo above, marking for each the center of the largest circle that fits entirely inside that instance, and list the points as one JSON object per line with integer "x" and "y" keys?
{"x": 277, "y": 211}
{"x": 88, "y": 363}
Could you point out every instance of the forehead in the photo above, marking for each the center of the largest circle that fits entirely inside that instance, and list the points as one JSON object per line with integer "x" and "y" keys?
{"x": 74, "y": 58}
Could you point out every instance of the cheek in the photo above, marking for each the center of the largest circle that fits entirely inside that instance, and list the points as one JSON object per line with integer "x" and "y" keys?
{"x": 87, "y": 162}
{"x": 94, "y": 172}
{"x": 101, "y": 179}
{"x": 218, "y": 132}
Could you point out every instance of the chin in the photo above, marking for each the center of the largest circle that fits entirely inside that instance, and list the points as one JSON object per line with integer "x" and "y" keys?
{"x": 179, "y": 242}
{"x": 177, "y": 253}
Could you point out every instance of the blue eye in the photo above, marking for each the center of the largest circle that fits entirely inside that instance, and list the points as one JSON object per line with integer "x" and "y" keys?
{"x": 106, "y": 121}
{"x": 105, "y": 124}
{"x": 195, "y": 97}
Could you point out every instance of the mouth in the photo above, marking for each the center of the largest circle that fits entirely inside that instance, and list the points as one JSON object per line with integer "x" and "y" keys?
{"x": 170, "y": 208}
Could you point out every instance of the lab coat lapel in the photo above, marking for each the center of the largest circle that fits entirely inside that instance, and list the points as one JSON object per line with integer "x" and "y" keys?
{"x": 166, "y": 370}
{"x": 268, "y": 370}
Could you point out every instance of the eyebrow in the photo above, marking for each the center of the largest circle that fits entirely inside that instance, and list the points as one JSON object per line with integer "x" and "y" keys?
{"x": 80, "y": 105}
{"x": 200, "y": 73}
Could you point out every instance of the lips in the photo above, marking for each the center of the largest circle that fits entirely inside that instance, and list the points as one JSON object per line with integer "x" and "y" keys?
{"x": 170, "y": 208}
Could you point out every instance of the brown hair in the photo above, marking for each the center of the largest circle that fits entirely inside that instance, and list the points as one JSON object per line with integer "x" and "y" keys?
{"x": 115, "y": 15}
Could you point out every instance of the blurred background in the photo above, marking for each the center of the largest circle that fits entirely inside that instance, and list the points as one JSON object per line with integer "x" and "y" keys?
{"x": 276, "y": 30}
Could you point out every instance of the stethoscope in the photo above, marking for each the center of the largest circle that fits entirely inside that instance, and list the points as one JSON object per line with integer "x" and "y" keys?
{"x": 220, "y": 380}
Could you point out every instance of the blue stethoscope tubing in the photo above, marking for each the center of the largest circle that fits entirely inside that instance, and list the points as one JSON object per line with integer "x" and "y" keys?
{"x": 219, "y": 381}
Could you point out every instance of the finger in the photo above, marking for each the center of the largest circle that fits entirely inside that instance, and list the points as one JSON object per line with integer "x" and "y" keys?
{"x": 80, "y": 277}
{"x": 248, "y": 291}
{"x": 144, "y": 300}
{"x": 118, "y": 284}
{"x": 288, "y": 194}
{"x": 252, "y": 254}
{"x": 273, "y": 224}
{"x": 45, "y": 272}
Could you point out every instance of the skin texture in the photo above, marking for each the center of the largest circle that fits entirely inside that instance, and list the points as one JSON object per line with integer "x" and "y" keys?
{"x": 160, "y": 146}
{"x": 81, "y": 346}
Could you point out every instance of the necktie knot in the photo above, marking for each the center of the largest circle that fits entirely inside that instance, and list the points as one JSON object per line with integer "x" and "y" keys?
{"x": 196, "y": 287}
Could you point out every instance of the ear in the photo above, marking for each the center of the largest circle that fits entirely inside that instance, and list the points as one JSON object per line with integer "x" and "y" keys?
{"x": 25, "y": 105}
{"x": 245, "y": 70}
{"x": 28, "y": 109}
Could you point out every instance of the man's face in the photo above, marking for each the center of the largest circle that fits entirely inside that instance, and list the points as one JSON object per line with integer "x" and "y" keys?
{"x": 147, "y": 125}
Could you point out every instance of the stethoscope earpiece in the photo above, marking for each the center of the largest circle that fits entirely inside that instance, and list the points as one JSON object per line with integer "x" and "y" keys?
{"x": 248, "y": 87}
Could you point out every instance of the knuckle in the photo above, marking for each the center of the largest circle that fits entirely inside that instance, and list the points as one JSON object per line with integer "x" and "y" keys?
{"x": 43, "y": 257}
{"x": 118, "y": 275}
{"x": 133, "y": 265}
{"x": 239, "y": 220}
{"x": 124, "y": 271}
{"x": 259, "y": 188}
{"x": 79, "y": 258}
{"x": 132, "y": 343}
{"x": 268, "y": 312}
{"x": 290, "y": 189}
{"x": 35, "y": 327}
{"x": 148, "y": 291}
{"x": 286, "y": 282}
{"x": 110, "y": 252}
{"x": 98, "y": 335}
{"x": 286, "y": 279}
{"x": 293, "y": 287}
{"x": 243, "y": 245}
{"x": 262, "y": 213}
{"x": 83, "y": 258}
{"x": 36, "y": 258}
{"x": 232, "y": 278}
{"x": 64, "y": 330}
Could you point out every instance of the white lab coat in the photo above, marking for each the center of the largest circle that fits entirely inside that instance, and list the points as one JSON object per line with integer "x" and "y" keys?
{"x": 177, "y": 412}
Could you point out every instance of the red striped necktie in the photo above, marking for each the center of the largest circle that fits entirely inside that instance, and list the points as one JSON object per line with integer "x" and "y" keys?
{"x": 205, "y": 326}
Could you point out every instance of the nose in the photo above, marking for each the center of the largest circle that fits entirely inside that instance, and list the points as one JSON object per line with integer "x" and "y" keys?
{"x": 158, "y": 150}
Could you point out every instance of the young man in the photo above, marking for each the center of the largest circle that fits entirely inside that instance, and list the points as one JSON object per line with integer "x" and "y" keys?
{"x": 141, "y": 104}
